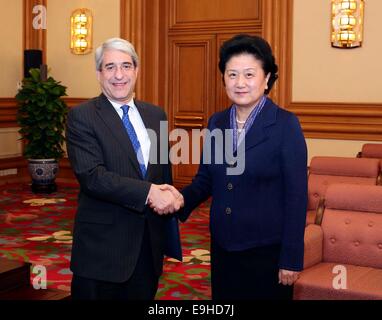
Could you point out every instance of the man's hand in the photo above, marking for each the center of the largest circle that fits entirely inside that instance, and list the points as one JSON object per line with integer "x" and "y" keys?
{"x": 164, "y": 199}
{"x": 287, "y": 277}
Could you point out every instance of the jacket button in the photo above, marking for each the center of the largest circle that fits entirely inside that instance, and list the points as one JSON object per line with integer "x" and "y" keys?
{"x": 332, "y": 240}
{"x": 380, "y": 245}
{"x": 347, "y": 221}
{"x": 228, "y": 210}
{"x": 371, "y": 223}
{"x": 356, "y": 243}
{"x": 230, "y": 186}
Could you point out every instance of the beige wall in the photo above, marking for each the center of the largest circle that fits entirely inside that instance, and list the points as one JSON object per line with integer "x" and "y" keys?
{"x": 333, "y": 148}
{"x": 77, "y": 72}
{"x": 12, "y": 47}
{"x": 11, "y": 56}
{"x": 325, "y": 74}
{"x": 10, "y": 145}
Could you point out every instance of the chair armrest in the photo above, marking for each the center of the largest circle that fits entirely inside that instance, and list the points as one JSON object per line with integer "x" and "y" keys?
{"x": 313, "y": 242}
{"x": 320, "y": 211}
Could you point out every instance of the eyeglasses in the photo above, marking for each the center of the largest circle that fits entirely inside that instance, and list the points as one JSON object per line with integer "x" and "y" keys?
{"x": 111, "y": 68}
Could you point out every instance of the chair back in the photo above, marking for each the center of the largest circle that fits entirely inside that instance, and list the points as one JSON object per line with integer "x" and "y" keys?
{"x": 324, "y": 171}
{"x": 352, "y": 225}
{"x": 372, "y": 150}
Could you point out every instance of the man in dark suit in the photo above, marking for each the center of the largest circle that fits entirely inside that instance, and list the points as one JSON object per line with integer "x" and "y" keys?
{"x": 118, "y": 241}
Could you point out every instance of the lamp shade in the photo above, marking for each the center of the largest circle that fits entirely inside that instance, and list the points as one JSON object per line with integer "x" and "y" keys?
{"x": 81, "y": 31}
{"x": 347, "y": 23}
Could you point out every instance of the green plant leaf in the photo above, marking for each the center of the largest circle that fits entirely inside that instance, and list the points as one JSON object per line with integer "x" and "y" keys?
{"x": 41, "y": 116}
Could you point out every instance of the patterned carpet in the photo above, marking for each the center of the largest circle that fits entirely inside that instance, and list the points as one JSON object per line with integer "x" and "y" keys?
{"x": 38, "y": 229}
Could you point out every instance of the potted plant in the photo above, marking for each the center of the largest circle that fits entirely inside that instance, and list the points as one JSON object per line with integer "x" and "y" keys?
{"x": 42, "y": 116}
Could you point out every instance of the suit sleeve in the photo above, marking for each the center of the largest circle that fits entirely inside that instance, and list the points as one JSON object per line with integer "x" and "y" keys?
{"x": 167, "y": 168}
{"x": 85, "y": 156}
{"x": 294, "y": 168}
{"x": 199, "y": 190}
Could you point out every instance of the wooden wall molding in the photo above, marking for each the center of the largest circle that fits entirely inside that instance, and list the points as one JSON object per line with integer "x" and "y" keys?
{"x": 140, "y": 24}
{"x": 214, "y": 23}
{"x": 72, "y": 102}
{"x": 197, "y": 105}
{"x": 11, "y": 163}
{"x": 321, "y": 120}
{"x": 18, "y": 163}
{"x": 8, "y": 111}
{"x": 277, "y": 17}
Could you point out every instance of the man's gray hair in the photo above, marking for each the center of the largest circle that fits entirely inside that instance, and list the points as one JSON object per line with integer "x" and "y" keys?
{"x": 115, "y": 44}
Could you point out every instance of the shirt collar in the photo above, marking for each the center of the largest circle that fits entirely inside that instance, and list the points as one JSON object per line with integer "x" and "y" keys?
{"x": 117, "y": 106}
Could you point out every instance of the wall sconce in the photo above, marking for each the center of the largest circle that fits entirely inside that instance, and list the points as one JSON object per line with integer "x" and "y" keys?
{"x": 81, "y": 29}
{"x": 347, "y": 23}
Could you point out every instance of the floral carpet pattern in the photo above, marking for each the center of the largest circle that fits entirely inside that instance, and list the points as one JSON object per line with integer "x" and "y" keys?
{"x": 38, "y": 229}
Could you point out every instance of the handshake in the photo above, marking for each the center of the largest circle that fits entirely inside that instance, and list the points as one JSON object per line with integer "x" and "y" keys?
{"x": 164, "y": 199}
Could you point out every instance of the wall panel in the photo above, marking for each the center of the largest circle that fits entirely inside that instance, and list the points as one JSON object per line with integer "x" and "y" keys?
{"x": 191, "y": 93}
{"x": 194, "y": 14}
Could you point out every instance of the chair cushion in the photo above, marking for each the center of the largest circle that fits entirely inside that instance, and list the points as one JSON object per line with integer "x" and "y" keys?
{"x": 318, "y": 184}
{"x": 352, "y": 238}
{"x": 313, "y": 240}
{"x": 316, "y": 283}
{"x": 342, "y": 166}
{"x": 354, "y": 198}
{"x": 372, "y": 150}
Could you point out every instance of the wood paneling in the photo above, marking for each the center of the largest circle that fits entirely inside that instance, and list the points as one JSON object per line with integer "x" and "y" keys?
{"x": 140, "y": 24}
{"x": 277, "y": 17}
{"x": 339, "y": 120}
{"x": 191, "y": 93}
{"x": 8, "y": 111}
{"x": 195, "y": 30}
{"x": 72, "y": 102}
{"x": 192, "y": 74}
{"x": 18, "y": 163}
{"x": 201, "y": 14}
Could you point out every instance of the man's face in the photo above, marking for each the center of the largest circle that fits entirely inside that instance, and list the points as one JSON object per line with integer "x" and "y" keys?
{"x": 117, "y": 76}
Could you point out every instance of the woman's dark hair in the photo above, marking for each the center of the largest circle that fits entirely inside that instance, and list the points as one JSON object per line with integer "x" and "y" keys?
{"x": 255, "y": 45}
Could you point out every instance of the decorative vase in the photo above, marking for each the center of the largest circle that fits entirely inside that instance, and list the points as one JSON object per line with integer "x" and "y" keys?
{"x": 43, "y": 172}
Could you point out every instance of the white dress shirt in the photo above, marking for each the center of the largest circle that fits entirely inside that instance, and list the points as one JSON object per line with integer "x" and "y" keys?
{"x": 139, "y": 127}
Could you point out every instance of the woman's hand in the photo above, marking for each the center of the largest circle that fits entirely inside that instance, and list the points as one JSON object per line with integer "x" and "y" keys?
{"x": 287, "y": 277}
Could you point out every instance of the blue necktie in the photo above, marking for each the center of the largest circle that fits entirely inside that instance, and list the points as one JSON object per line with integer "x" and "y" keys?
{"x": 133, "y": 138}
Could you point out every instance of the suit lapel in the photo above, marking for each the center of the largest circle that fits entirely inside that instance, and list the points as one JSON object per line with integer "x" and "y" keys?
{"x": 257, "y": 133}
{"x": 107, "y": 113}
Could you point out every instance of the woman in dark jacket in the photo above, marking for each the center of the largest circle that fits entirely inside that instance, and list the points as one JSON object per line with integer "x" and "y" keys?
{"x": 257, "y": 218}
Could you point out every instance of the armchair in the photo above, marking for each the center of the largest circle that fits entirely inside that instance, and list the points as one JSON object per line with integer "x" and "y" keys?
{"x": 324, "y": 171}
{"x": 349, "y": 238}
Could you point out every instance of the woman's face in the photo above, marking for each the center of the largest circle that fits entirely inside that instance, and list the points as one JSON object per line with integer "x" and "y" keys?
{"x": 245, "y": 80}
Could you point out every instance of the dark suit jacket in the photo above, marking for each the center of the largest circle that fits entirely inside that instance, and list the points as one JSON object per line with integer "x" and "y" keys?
{"x": 267, "y": 203}
{"x": 111, "y": 212}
